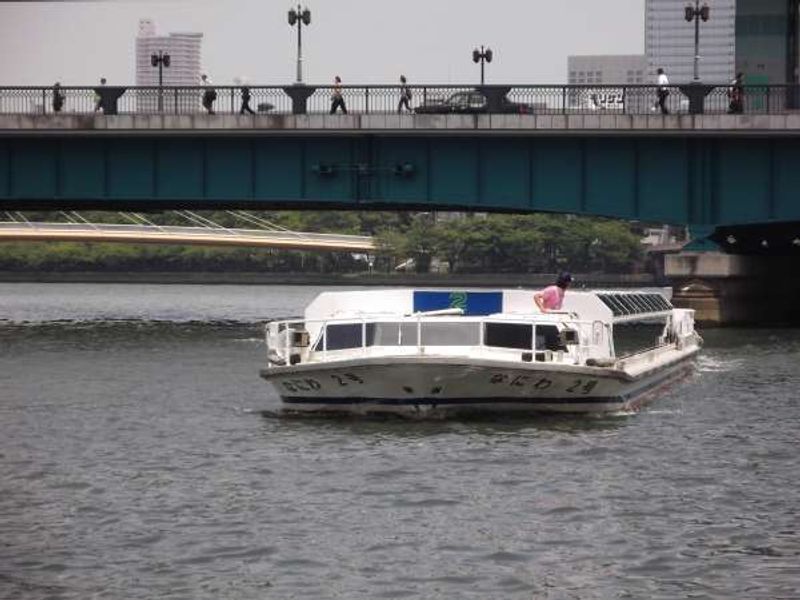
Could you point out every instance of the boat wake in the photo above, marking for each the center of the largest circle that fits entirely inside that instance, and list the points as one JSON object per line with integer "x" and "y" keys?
{"x": 710, "y": 364}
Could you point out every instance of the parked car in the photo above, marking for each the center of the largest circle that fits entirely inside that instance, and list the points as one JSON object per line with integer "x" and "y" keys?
{"x": 470, "y": 102}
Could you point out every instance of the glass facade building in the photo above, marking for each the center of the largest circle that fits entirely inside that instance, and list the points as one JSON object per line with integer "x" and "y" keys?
{"x": 669, "y": 41}
{"x": 767, "y": 41}
{"x": 184, "y": 50}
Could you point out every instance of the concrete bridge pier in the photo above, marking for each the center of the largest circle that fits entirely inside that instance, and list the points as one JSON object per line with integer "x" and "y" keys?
{"x": 729, "y": 289}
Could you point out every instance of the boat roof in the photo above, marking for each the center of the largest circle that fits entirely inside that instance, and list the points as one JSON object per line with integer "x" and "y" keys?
{"x": 611, "y": 306}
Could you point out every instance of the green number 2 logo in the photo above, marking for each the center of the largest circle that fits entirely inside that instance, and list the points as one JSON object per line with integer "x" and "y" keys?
{"x": 458, "y": 300}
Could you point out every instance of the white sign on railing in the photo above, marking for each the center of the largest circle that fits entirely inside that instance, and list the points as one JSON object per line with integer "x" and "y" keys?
{"x": 604, "y": 99}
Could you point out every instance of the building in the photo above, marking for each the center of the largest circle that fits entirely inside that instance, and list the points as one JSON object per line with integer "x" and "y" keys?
{"x": 184, "y": 50}
{"x": 767, "y": 49}
{"x": 606, "y": 69}
{"x": 669, "y": 41}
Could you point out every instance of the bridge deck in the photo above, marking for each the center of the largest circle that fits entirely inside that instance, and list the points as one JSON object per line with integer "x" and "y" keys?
{"x": 601, "y": 123}
{"x": 701, "y": 170}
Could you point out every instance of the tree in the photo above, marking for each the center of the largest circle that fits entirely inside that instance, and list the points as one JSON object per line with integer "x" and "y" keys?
{"x": 493, "y": 243}
{"x": 417, "y": 242}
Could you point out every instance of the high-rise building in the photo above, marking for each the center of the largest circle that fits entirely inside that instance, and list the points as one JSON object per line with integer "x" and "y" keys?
{"x": 184, "y": 69}
{"x": 669, "y": 41}
{"x": 767, "y": 48}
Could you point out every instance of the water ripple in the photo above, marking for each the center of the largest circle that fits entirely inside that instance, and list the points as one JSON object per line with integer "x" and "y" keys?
{"x": 136, "y": 465}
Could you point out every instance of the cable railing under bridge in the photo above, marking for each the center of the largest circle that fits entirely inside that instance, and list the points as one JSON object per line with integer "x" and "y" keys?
{"x": 386, "y": 99}
{"x": 138, "y": 228}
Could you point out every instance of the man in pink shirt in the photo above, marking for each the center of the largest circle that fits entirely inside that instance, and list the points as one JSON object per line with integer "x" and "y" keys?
{"x": 552, "y": 297}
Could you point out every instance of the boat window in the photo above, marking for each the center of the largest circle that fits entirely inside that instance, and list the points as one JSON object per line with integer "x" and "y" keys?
{"x": 408, "y": 334}
{"x": 648, "y": 303}
{"x": 662, "y": 302}
{"x": 627, "y": 303}
{"x": 451, "y": 334}
{"x": 637, "y": 302}
{"x": 384, "y": 334}
{"x": 508, "y": 335}
{"x": 616, "y": 308}
{"x": 547, "y": 338}
{"x": 632, "y": 338}
{"x": 630, "y": 307}
{"x": 341, "y": 336}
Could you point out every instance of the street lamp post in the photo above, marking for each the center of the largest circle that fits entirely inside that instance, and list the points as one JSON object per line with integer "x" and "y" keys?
{"x": 299, "y": 17}
{"x": 695, "y": 13}
{"x": 160, "y": 60}
{"x": 481, "y": 56}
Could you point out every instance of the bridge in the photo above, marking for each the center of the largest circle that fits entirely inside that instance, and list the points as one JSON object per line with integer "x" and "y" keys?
{"x": 707, "y": 171}
{"x": 591, "y": 150}
{"x": 206, "y": 233}
{"x": 595, "y": 150}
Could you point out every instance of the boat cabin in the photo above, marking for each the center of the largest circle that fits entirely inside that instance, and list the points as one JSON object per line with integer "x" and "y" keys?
{"x": 496, "y": 325}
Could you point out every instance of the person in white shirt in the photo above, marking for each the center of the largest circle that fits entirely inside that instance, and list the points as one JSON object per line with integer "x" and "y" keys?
{"x": 663, "y": 91}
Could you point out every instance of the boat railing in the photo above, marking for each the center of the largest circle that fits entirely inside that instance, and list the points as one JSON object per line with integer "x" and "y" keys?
{"x": 590, "y": 334}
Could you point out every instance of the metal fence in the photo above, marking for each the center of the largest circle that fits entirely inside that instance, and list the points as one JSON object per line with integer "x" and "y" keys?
{"x": 386, "y": 99}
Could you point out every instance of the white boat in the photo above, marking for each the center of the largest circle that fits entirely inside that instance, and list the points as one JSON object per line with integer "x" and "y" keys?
{"x": 430, "y": 353}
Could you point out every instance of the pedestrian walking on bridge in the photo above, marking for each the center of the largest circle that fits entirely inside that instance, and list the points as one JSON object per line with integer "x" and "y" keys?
{"x": 662, "y": 83}
{"x": 58, "y": 98}
{"x": 246, "y": 102}
{"x": 337, "y": 99}
{"x": 736, "y": 95}
{"x": 405, "y": 95}
{"x": 98, "y": 97}
{"x": 209, "y": 93}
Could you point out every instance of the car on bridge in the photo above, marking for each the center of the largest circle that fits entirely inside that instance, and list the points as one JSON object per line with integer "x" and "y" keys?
{"x": 469, "y": 102}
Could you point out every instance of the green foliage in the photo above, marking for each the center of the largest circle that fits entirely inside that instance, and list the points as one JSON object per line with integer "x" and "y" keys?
{"x": 468, "y": 243}
{"x": 534, "y": 244}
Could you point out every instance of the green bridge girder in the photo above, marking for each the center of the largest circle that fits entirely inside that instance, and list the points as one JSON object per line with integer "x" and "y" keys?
{"x": 702, "y": 181}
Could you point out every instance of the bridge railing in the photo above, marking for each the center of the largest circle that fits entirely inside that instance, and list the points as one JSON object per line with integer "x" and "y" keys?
{"x": 386, "y": 99}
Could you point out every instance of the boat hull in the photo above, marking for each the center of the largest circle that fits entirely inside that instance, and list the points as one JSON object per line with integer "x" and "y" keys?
{"x": 431, "y": 387}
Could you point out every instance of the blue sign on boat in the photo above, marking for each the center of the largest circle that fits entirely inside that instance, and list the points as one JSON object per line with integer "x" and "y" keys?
{"x": 472, "y": 303}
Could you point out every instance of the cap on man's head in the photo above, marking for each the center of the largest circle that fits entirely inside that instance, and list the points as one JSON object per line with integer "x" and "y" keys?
{"x": 564, "y": 279}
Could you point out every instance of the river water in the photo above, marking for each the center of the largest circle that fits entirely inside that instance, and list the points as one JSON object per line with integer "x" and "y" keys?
{"x": 135, "y": 463}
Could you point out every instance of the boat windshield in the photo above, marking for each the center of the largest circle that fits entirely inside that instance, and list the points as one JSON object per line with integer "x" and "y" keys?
{"x": 341, "y": 336}
{"x": 519, "y": 336}
{"x": 509, "y": 335}
{"x": 515, "y": 336}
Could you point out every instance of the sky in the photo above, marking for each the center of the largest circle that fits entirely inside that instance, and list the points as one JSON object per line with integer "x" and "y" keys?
{"x": 363, "y": 41}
